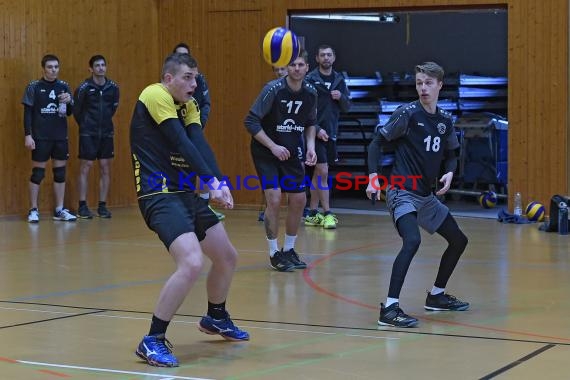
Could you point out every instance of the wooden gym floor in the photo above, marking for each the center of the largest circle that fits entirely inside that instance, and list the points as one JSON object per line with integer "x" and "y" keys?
{"x": 76, "y": 298}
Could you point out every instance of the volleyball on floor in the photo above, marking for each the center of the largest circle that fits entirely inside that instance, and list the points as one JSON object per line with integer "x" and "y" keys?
{"x": 488, "y": 199}
{"x": 535, "y": 211}
{"x": 280, "y": 47}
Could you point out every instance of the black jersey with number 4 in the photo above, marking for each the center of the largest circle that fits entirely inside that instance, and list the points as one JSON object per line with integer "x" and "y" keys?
{"x": 420, "y": 140}
{"x": 41, "y": 95}
{"x": 283, "y": 114}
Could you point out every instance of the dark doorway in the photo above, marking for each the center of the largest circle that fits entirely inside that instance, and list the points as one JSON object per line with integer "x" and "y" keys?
{"x": 377, "y": 51}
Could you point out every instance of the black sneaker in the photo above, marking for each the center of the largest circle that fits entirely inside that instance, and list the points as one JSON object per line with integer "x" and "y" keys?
{"x": 84, "y": 212}
{"x": 281, "y": 263}
{"x": 395, "y": 317}
{"x": 102, "y": 212}
{"x": 444, "y": 301}
{"x": 293, "y": 257}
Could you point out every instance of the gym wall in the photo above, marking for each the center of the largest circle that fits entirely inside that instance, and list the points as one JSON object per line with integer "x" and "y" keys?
{"x": 225, "y": 36}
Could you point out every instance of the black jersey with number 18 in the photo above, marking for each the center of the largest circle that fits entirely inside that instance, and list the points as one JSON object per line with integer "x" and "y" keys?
{"x": 421, "y": 140}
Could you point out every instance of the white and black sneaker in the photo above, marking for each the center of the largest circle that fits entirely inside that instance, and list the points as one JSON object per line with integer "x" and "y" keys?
{"x": 293, "y": 257}
{"x": 395, "y": 317}
{"x": 64, "y": 215}
{"x": 280, "y": 262}
{"x": 445, "y": 302}
{"x": 33, "y": 215}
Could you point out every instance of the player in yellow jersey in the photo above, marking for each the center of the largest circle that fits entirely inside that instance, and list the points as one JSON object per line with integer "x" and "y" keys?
{"x": 168, "y": 151}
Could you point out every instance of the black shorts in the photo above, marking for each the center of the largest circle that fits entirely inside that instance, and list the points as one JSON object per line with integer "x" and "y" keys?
{"x": 326, "y": 151}
{"x": 94, "y": 147}
{"x": 288, "y": 175}
{"x": 171, "y": 215}
{"x": 46, "y": 149}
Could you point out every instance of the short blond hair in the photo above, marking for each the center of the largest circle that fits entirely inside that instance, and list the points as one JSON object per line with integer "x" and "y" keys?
{"x": 431, "y": 69}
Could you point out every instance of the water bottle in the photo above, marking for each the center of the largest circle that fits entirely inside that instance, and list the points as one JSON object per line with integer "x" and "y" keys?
{"x": 62, "y": 109}
{"x": 518, "y": 204}
{"x": 563, "y": 218}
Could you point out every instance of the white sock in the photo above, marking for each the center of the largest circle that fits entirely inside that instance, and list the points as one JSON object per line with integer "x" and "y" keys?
{"x": 58, "y": 209}
{"x": 205, "y": 195}
{"x": 391, "y": 301}
{"x": 289, "y": 242}
{"x": 435, "y": 290}
{"x": 273, "y": 246}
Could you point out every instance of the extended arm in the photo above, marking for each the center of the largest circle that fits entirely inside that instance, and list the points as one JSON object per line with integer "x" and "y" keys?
{"x": 176, "y": 135}
{"x": 196, "y": 135}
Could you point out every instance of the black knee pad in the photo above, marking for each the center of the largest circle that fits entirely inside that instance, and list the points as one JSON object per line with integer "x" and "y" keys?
{"x": 38, "y": 175}
{"x": 59, "y": 174}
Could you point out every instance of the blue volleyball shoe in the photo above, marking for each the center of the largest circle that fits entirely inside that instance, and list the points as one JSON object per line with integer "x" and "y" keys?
{"x": 224, "y": 327}
{"x": 156, "y": 351}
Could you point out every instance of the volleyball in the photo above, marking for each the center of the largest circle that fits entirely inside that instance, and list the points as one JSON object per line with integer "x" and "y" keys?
{"x": 488, "y": 199}
{"x": 280, "y": 47}
{"x": 535, "y": 212}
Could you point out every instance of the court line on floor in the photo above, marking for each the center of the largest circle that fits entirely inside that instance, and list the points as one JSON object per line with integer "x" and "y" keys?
{"x": 310, "y": 361}
{"x": 324, "y": 336}
{"x": 51, "y": 319}
{"x": 88, "y": 290}
{"x": 100, "y": 314}
{"x": 167, "y": 377}
{"x": 104, "y": 288}
{"x": 416, "y": 333}
{"x": 389, "y": 330}
{"x": 517, "y": 362}
{"x": 308, "y": 279}
{"x": 108, "y": 370}
{"x": 67, "y": 243}
{"x": 316, "y": 287}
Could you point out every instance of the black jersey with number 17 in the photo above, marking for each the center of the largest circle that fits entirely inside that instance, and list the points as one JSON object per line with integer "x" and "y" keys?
{"x": 283, "y": 114}
{"x": 421, "y": 140}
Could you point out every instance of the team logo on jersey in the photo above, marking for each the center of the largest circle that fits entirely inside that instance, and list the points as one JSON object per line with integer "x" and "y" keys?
{"x": 441, "y": 128}
{"x": 182, "y": 111}
{"x": 50, "y": 109}
{"x": 290, "y": 126}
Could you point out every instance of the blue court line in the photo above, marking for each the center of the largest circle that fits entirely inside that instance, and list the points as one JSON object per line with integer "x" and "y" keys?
{"x": 104, "y": 288}
{"x": 86, "y": 290}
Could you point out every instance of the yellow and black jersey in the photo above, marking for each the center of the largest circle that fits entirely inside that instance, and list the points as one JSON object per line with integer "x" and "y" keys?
{"x": 163, "y": 155}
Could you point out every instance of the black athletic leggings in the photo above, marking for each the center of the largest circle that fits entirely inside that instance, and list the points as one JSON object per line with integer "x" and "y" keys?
{"x": 409, "y": 230}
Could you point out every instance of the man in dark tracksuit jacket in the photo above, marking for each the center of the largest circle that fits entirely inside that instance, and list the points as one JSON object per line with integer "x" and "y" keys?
{"x": 202, "y": 96}
{"x": 333, "y": 98}
{"x": 96, "y": 100}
